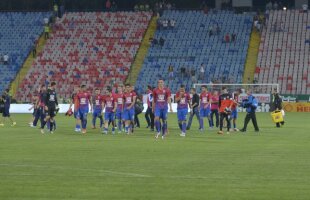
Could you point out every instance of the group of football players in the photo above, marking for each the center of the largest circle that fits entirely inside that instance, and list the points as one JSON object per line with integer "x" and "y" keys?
{"x": 119, "y": 106}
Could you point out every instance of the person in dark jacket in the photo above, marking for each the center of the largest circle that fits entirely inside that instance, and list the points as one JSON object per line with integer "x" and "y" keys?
{"x": 250, "y": 103}
{"x": 138, "y": 110}
{"x": 277, "y": 105}
{"x": 194, "y": 108}
{"x": 6, "y": 104}
{"x": 149, "y": 115}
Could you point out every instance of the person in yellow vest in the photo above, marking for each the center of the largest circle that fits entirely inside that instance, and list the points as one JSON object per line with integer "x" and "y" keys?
{"x": 46, "y": 31}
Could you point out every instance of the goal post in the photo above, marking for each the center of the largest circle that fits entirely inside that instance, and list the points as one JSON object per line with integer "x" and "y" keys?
{"x": 261, "y": 91}
{"x": 263, "y": 88}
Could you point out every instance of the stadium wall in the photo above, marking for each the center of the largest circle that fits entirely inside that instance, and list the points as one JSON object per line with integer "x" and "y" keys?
{"x": 63, "y": 108}
{"x": 289, "y": 104}
{"x": 263, "y": 107}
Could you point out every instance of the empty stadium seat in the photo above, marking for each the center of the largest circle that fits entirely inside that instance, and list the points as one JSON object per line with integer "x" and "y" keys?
{"x": 284, "y": 52}
{"x": 18, "y": 32}
{"x": 91, "y": 48}
{"x": 188, "y": 45}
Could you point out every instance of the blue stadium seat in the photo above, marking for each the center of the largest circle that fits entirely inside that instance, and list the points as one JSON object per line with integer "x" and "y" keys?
{"x": 189, "y": 45}
{"x": 18, "y": 32}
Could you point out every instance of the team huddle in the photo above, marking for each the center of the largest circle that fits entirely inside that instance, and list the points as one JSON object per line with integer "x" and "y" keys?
{"x": 116, "y": 109}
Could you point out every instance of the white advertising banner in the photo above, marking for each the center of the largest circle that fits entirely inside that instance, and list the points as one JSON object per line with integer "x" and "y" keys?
{"x": 24, "y": 108}
{"x": 261, "y": 98}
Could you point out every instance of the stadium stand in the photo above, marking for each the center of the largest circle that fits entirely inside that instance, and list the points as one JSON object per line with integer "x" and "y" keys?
{"x": 18, "y": 32}
{"x": 92, "y": 48}
{"x": 188, "y": 45}
{"x": 284, "y": 52}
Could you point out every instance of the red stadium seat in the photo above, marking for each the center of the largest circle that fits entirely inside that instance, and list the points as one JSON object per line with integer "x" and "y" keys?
{"x": 78, "y": 53}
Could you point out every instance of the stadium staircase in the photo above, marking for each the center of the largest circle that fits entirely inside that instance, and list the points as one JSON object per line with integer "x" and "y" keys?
{"x": 26, "y": 66}
{"x": 18, "y": 32}
{"x": 252, "y": 56}
{"x": 142, "y": 52}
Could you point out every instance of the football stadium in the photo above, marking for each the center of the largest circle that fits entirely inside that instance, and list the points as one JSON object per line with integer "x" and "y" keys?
{"x": 155, "y": 99}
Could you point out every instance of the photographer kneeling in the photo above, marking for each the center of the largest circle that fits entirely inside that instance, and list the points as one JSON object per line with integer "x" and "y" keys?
{"x": 250, "y": 104}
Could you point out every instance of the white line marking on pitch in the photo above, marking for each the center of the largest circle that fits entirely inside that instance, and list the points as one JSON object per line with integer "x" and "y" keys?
{"x": 80, "y": 169}
{"x": 119, "y": 174}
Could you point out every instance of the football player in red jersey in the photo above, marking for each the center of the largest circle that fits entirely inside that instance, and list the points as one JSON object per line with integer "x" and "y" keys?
{"x": 84, "y": 98}
{"x": 234, "y": 111}
{"x": 161, "y": 100}
{"x": 183, "y": 100}
{"x": 214, "y": 100}
{"x": 75, "y": 103}
{"x": 119, "y": 98}
{"x": 129, "y": 109}
{"x": 110, "y": 105}
{"x": 205, "y": 107}
{"x": 97, "y": 105}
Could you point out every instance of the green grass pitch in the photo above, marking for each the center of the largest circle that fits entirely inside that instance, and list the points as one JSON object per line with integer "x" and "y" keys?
{"x": 274, "y": 164}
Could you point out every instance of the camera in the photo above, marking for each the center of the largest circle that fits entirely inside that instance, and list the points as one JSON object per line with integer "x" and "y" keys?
{"x": 245, "y": 103}
{"x": 227, "y": 110}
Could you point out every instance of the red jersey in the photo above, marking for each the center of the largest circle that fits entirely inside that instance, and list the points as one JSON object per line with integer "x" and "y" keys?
{"x": 97, "y": 102}
{"x": 235, "y": 102}
{"x": 109, "y": 102}
{"x": 183, "y": 102}
{"x": 128, "y": 99}
{"x": 161, "y": 97}
{"x": 84, "y": 99}
{"x": 119, "y": 98}
{"x": 214, "y": 102}
{"x": 225, "y": 101}
{"x": 204, "y": 99}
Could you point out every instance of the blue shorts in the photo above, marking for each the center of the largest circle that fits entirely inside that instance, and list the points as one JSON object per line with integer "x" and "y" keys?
{"x": 97, "y": 113}
{"x": 234, "y": 114}
{"x": 205, "y": 112}
{"x": 41, "y": 112}
{"x": 83, "y": 114}
{"x": 128, "y": 115}
{"x": 76, "y": 114}
{"x": 34, "y": 113}
{"x": 6, "y": 112}
{"x": 161, "y": 113}
{"x": 109, "y": 116}
{"x": 118, "y": 114}
{"x": 182, "y": 113}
